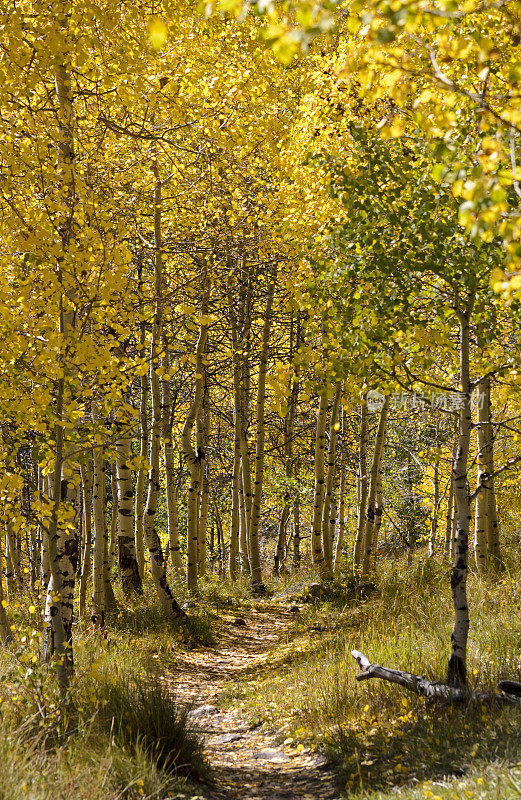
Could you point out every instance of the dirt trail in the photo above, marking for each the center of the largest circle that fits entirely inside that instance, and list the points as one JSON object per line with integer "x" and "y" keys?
{"x": 247, "y": 763}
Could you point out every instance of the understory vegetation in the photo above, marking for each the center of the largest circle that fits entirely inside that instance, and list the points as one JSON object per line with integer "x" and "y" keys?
{"x": 125, "y": 735}
{"x": 379, "y": 736}
{"x": 121, "y": 731}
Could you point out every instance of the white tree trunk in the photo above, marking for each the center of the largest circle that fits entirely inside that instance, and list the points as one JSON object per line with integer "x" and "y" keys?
{"x": 457, "y": 667}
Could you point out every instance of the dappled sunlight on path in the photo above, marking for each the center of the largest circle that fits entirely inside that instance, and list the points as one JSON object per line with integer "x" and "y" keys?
{"x": 247, "y": 762}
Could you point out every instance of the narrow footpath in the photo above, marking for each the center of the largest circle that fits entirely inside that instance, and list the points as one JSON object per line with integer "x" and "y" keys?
{"x": 246, "y": 762}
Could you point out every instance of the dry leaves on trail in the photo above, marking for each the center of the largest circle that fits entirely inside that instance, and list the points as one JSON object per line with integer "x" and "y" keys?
{"x": 247, "y": 762}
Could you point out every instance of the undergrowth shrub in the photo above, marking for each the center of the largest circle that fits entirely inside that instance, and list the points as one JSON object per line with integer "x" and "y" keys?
{"x": 144, "y": 714}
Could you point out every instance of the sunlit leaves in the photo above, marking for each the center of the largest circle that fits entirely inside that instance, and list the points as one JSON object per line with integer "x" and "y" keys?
{"x": 157, "y": 32}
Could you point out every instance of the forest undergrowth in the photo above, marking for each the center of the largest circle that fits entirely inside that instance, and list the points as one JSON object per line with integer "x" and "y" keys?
{"x": 379, "y": 736}
{"x": 120, "y": 733}
{"x": 125, "y": 736}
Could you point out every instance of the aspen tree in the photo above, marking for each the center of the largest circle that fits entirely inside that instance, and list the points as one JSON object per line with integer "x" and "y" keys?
{"x": 57, "y": 635}
{"x": 151, "y": 536}
{"x": 172, "y": 474}
{"x": 108, "y": 590}
{"x": 327, "y": 543}
{"x": 234, "y": 514}
{"x": 341, "y": 519}
{"x": 5, "y": 631}
{"x": 124, "y": 501}
{"x": 61, "y": 543}
{"x": 449, "y": 513}
{"x": 450, "y": 517}
{"x": 289, "y": 431}
{"x": 113, "y": 516}
{"x": 361, "y": 486}
{"x": 296, "y": 534}
{"x": 45, "y": 564}
{"x": 378, "y": 513}
{"x": 140, "y": 477}
{"x": 100, "y": 532}
{"x": 204, "y": 435}
{"x": 373, "y": 488}
{"x": 239, "y": 327}
{"x": 435, "y": 507}
{"x": 87, "y": 479}
{"x": 192, "y": 456}
{"x": 260, "y": 434}
{"x": 319, "y": 490}
{"x": 457, "y": 666}
{"x": 244, "y": 556}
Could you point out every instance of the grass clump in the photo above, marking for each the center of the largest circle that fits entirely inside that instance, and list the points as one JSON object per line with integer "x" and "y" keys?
{"x": 144, "y": 714}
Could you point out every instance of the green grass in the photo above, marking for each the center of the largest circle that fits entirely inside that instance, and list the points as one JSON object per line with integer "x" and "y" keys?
{"x": 144, "y": 713}
{"x": 379, "y": 736}
{"x": 125, "y": 737}
{"x": 121, "y": 734}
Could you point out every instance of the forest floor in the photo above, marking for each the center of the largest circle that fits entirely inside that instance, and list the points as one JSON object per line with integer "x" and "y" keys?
{"x": 282, "y": 716}
{"x": 273, "y": 701}
{"x": 247, "y": 761}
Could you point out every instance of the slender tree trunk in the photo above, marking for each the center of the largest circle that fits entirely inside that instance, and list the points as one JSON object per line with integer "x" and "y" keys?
{"x": 140, "y": 477}
{"x": 239, "y": 326}
{"x": 296, "y": 534}
{"x": 341, "y": 519}
{"x": 244, "y": 558}
{"x": 435, "y": 508}
{"x": 98, "y": 551}
{"x": 289, "y": 431}
{"x": 127, "y": 562}
{"x": 172, "y": 474}
{"x": 193, "y": 457}
{"x": 87, "y": 477}
{"x": 234, "y": 515}
{"x": 378, "y": 513}
{"x": 220, "y": 537}
{"x": 152, "y": 540}
{"x": 45, "y": 568}
{"x": 62, "y": 541}
{"x": 319, "y": 491}
{"x": 110, "y": 599}
{"x": 260, "y": 433}
{"x": 280, "y": 552}
{"x": 361, "y": 487}
{"x": 457, "y": 666}
{"x": 5, "y": 630}
{"x": 448, "y": 518}
{"x": 327, "y": 544}
{"x": 373, "y": 488}
{"x": 57, "y": 637}
{"x": 113, "y": 516}
{"x": 204, "y": 439}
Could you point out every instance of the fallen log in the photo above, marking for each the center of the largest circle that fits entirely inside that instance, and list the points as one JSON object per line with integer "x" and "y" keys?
{"x": 510, "y": 687}
{"x": 432, "y": 690}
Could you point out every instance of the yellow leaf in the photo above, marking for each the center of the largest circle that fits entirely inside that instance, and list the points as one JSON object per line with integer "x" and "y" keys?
{"x": 157, "y": 32}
